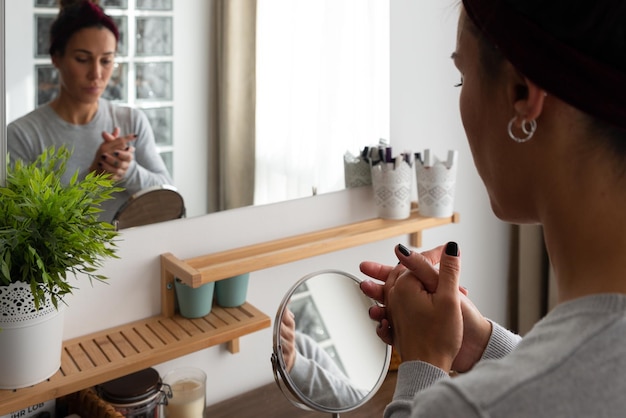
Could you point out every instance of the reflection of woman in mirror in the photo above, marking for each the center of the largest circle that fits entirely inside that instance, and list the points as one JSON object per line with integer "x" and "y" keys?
{"x": 542, "y": 103}
{"x": 313, "y": 371}
{"x": 105, "y": 138}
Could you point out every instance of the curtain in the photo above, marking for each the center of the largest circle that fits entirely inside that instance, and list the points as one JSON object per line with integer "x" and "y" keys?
{"x": 233, "y": 152}
{"x": 322, "y": 90}
{"x": 532, "y": 292}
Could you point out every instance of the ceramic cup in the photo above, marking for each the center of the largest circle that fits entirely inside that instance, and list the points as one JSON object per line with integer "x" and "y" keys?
{"x": 435, "y": 189}
{"x": 356, "y": 173}
{"x": 188, "y": 386}
{"x": 194, "y": 302}
{"x": 233, "y": 291}
{"x": 392, "y": 190}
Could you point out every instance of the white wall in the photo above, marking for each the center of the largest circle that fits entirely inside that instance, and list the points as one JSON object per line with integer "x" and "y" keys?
{"x": 424, "y": 114}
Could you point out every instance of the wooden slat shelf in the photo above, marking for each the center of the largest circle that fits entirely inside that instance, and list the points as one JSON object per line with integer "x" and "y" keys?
{"x": 208, "y": 268}
{"x": 99, "y": 357}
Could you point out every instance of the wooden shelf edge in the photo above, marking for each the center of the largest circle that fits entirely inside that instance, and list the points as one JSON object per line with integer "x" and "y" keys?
{"x": 217, "y": 266}
{"x": 109, "y": 354}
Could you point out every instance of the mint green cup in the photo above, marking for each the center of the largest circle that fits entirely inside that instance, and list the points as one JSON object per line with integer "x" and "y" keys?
{"x": 194, "y": 302}
{"x": 232, "y": 292}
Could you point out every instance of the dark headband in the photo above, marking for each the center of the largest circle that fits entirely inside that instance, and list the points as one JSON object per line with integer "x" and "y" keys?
{"x": 578, "y": 79}
{"x": 74, "y": 18}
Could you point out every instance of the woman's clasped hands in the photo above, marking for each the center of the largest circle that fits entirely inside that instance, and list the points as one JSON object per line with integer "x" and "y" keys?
{"x": 423, "y": 311}
{"x": 115, "y": 154}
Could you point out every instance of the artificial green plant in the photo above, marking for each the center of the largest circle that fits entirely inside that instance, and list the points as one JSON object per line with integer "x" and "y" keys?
{"x": 49, "y": 229}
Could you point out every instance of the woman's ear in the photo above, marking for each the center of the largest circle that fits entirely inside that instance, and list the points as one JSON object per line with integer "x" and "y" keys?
{"x": 529, "y": 99}
{"x": 55, "y": 59}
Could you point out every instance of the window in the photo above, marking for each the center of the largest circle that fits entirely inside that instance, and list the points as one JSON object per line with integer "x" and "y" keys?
{"x": 323, "y": 78}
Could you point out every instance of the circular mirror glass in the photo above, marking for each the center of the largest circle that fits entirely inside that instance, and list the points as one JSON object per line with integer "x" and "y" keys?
{"x": 326, "y": 351}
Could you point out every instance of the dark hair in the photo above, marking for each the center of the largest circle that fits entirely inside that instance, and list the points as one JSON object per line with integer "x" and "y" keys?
{"x": 596, "y": 29}
{"x": 599, "y": 31}
{"x": 74, "y": 16}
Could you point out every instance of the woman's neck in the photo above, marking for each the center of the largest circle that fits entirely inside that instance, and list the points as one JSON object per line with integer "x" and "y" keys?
{"x": 586, "y": 242}
{"x": 72, "y": 112}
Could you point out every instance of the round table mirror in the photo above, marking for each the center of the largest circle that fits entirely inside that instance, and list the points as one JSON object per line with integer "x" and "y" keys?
{"x": 326, "y": 353}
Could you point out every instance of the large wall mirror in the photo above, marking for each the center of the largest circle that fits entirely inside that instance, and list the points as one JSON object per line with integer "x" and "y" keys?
{"x": 287, "y": 62}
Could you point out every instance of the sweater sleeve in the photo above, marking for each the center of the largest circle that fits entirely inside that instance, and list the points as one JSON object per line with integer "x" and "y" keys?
{"x": 317, "y": 376}
{"x": 413, "y": 377}
{"x": 147, "y": 169}
{"x": 416, "y": 394}
{"x": 501, "y": 342}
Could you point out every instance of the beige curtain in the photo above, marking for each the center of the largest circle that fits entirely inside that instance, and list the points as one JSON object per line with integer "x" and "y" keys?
{"x": 233, "y": 152}
{"x": 532, "y": 282}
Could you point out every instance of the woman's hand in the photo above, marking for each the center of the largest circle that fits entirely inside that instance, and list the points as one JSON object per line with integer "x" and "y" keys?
{"x": 475, "y": 329}
{"x": 114, "y": 155}
{"x": 288, "y": 338}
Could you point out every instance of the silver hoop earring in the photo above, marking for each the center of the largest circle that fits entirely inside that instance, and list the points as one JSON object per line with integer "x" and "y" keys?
{"x": 528, "y": 128}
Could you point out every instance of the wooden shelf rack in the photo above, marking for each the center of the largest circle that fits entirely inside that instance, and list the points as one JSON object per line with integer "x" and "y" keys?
{"x": 109, "y": 354}
{"x": 208, "y": 268}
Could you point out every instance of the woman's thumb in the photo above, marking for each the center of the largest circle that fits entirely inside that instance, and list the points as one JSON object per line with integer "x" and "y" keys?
{"x": 449, "y": 269}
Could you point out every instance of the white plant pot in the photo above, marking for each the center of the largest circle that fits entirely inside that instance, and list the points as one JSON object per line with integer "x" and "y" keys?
{"x": 30, "y": 340}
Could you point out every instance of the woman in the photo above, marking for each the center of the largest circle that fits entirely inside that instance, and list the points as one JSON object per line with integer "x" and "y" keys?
{"x": 105, "y": 138}
{"x": 313, "y": 371}
{"x": 542, "y": 104}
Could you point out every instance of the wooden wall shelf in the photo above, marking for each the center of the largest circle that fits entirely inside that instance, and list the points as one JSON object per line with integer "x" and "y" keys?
{"x": 109, "y": 354}
{"x": 208, "y": 268}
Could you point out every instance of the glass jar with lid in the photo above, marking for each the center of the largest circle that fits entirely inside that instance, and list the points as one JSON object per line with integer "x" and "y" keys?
{"x": 137, "y": 395}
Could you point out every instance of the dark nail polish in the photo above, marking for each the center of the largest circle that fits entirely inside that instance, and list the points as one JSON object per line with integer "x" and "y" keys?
{"x": 404, "y": 251}
{"x": 117, "y": 154}
{"x": 452, "y": 248}
{"x": 103, "y": 156}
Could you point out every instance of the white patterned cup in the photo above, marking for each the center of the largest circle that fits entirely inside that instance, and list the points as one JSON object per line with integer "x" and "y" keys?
{"x": 392, "y": 190}
{"x": 357, "y": 173}
{"x": 435, "y": 189}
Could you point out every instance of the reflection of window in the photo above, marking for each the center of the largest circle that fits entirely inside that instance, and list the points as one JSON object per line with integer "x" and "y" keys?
{"x": 161, "y": 121}
{"x": 168, "y": 159}
{"x": 154, "y": 4}
{"x": 310, "y": 322}
{"x": 46, "y": 3}
{"x": 153, "y": 81}
{"x": 117, "y": 4}
{"x": 47, "y": 81}
{"x": 122, "y": 27}
{"x": 42, "y": 38}
{"x": 322, "y": 89}
{"x": 117, "y": 87}
{"x": 308, "y": 319}
{"x": 154, "y": 36}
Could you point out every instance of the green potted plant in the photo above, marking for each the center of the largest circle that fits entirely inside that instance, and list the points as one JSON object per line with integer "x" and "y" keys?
{"x": 48, "y": 231}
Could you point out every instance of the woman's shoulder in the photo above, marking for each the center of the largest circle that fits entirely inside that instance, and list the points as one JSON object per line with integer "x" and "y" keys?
{"x": 39, "y": 115}
{"x": 122, "y": 112}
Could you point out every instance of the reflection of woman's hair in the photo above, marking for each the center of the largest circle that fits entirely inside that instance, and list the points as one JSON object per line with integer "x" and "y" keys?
{"x": 573, "y": 49}
{"x": 74, "y": 16}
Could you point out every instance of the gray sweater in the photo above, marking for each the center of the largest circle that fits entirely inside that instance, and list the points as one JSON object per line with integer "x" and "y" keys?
{"x": 319, "y": 379}
{"x": 568, "y": 365}
{"x": 28, "y": 136}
